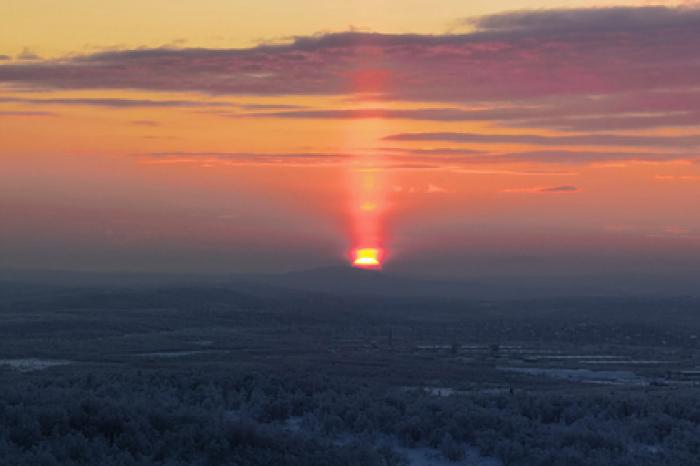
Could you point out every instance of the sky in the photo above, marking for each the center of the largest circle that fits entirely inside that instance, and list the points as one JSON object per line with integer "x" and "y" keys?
{"x": 442, "y": 138}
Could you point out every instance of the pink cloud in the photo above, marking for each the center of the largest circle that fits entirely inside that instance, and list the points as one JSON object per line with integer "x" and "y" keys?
{"x": 521, "y": 55}
{"x": 596, "y": 69}
{"x": 564, "y": 189}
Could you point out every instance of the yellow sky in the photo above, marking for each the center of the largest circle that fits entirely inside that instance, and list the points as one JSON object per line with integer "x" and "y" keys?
{"x": 53, "y": 28}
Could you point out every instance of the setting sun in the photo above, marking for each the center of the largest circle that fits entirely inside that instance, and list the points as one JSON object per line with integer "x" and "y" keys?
{"x": 367, "y": 258}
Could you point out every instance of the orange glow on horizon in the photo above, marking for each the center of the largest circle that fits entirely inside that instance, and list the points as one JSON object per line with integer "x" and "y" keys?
{"x": 367, "y": 258}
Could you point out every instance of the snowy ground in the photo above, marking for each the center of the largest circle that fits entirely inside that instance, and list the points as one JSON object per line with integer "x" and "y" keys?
{"x": 32, "y": 364}
{"x": 418, "y": 456}
{"x": 582, "y": 375}
{"x": 430, "y": 457}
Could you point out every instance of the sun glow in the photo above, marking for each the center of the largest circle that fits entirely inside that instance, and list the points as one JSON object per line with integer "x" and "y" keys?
{"x": 368, "y": 258}
{"x": 367, "y": 205}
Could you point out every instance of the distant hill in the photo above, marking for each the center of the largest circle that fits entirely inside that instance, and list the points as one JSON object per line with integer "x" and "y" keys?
{"x": 351, "y": 281}
{"x": 344, "y": 280}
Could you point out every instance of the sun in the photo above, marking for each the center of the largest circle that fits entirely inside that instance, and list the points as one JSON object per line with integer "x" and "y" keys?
{"x": 367, "y": 258}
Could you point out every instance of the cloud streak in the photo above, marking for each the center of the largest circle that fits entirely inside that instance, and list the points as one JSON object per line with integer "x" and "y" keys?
{"x": 564, "y": 189}
{"x": 405, "y": 159}
{"x": 638, "y": 110}
{"x": 112, "y": 102}
{"x": 583, "y": 70}
{"x": 566, "y": 157}
{"x": 595, "y": 139}
{"x": 12, "y": 113}
{"x": 247, "y": 158}
{"x": 455, "y": 157}
{"x": 425, "y": 114}
{"x": 509, "y": 56}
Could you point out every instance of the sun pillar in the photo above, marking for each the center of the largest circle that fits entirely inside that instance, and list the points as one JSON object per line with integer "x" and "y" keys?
{"x": 366, "y": 176}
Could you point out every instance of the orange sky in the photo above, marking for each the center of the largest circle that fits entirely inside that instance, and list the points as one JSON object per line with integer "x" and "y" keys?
{"x": 488, "y": 138}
